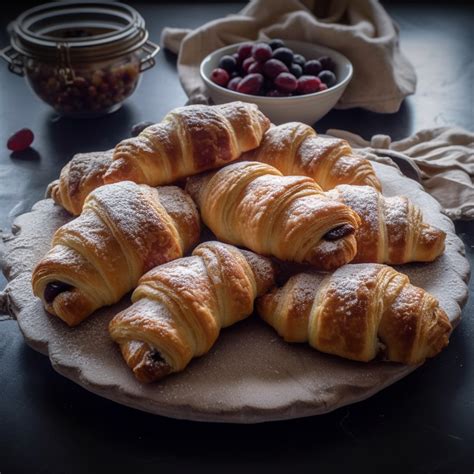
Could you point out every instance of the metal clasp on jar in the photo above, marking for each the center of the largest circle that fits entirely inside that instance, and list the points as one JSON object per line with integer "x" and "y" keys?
{"x": 14, "y": 60}
{"x": 148, "y": 61}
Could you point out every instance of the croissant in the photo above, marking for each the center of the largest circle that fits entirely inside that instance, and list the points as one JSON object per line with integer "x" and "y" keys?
{"x": 295, "y": 149}
{"x": 189, "y": 140}
{"x": 392, "y": 229}
{"x": 124, "y": 230}
{"x": 180, "y": 307}
{"x": 359, "y": 312}
{"x": 78, "y": 178}
{"x": 251, "y": 204}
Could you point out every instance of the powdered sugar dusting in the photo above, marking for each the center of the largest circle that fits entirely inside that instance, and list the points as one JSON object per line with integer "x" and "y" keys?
{"x": 365, "y": 201}
{"x": 348, "y": 282}
{"x": 189, "y": 140}
{"x": 295, "y": 149}
{"x": 396, "y": 214}
{"x": 263, "y": 268}
{"x": 78, "y": 178}
{"x": 303, "y": 289}
{"x": 183, "y": 211}
{"x": 139, "y": 222}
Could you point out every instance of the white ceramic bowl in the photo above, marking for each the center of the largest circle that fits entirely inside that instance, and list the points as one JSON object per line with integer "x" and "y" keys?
{"x": 303, "y": 108}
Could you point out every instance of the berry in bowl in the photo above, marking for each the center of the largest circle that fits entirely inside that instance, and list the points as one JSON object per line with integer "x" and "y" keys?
{"x": 288, "y": 80}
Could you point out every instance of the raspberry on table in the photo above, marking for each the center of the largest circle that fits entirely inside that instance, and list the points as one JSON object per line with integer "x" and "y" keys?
{"x": 20, "y": 140}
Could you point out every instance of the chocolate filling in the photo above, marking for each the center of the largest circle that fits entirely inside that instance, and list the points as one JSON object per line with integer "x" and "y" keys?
{"x": 53, "y": 289}
{"x": 155, "y": 356}
{"x": 159, "y": 367}
{"x": 339, "y": 232}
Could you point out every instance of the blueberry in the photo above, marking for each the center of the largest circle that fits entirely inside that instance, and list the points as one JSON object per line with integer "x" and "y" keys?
{"x": 276, "y": 43}
{"x": 328, "y": 77}
{"x": 327, "y": 63}
{"x": 285, "y": 55}
{"x": 312, "y": 67}
{"x": 299, "y": 59}
{"x": 228, "y": 63}
{"x": 296, "y": 70}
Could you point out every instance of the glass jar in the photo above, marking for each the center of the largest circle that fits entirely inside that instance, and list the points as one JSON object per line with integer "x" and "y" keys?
{"x": 83, "y": 59}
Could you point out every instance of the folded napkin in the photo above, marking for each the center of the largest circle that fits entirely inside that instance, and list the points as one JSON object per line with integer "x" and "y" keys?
{"x": 443, "y": 158}
{"x": 360, "y": 29}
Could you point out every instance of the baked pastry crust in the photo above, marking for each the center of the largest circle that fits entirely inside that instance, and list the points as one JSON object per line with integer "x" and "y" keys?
{"x": 187, "y": 141}
{"x": 392, "y": 229}
{"x": 180, "y": 307}
{"x": 358, "y": 312}
{"x": 124, "y": 230}
{"x": 296, "y": 149}
{"x": 84, "y": 173}
{"x": 253, "y": 205}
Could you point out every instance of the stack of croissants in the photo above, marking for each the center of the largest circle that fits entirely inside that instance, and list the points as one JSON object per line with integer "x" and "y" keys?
{"x": 270, "y": 195}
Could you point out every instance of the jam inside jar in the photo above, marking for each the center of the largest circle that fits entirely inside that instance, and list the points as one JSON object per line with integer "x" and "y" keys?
{"x": 83, "y": 59}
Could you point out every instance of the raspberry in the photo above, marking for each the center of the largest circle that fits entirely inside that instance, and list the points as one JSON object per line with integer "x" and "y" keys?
{"x": 286, "y": 82}
{"x": 261, "y": 51}
{"x": 233, "y": 83}
{"x": 250, "y": 84}
{"x": 247, "y": 63}
{"x": 20, "y": 140}
{"x": 273, "y": 67}
{"x": 308, "y": 84}
{"x": 220, "y": 77}
{"x": 255, "y": 68}
{"x": 244, "y": 51}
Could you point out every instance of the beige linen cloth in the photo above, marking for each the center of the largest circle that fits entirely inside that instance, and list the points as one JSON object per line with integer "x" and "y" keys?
{"x": 360, "y": 29}
{"x": 442, "y": 157}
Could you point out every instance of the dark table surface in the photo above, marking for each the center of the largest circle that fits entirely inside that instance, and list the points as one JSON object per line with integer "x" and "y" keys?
{"x": 422, "y": 424}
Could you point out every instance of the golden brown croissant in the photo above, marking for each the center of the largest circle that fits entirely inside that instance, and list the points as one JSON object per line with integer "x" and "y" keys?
{"x": 392, "y": 229}
{"x": 189, "y": 140}
{"x": 124, "y": 230}
{"x": 295, "y": 149}
{"x": 357, "y": 312}
{"x": 180, "y": 307}
{"x": 78, "y": 178}
{"x": 251, "y": 204}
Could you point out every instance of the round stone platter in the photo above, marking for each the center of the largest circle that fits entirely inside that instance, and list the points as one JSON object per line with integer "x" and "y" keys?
{"x": 250, "y": 375}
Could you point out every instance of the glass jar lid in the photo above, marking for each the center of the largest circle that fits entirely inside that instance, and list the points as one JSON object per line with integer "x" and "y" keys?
{"x": 78, "y": 31}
